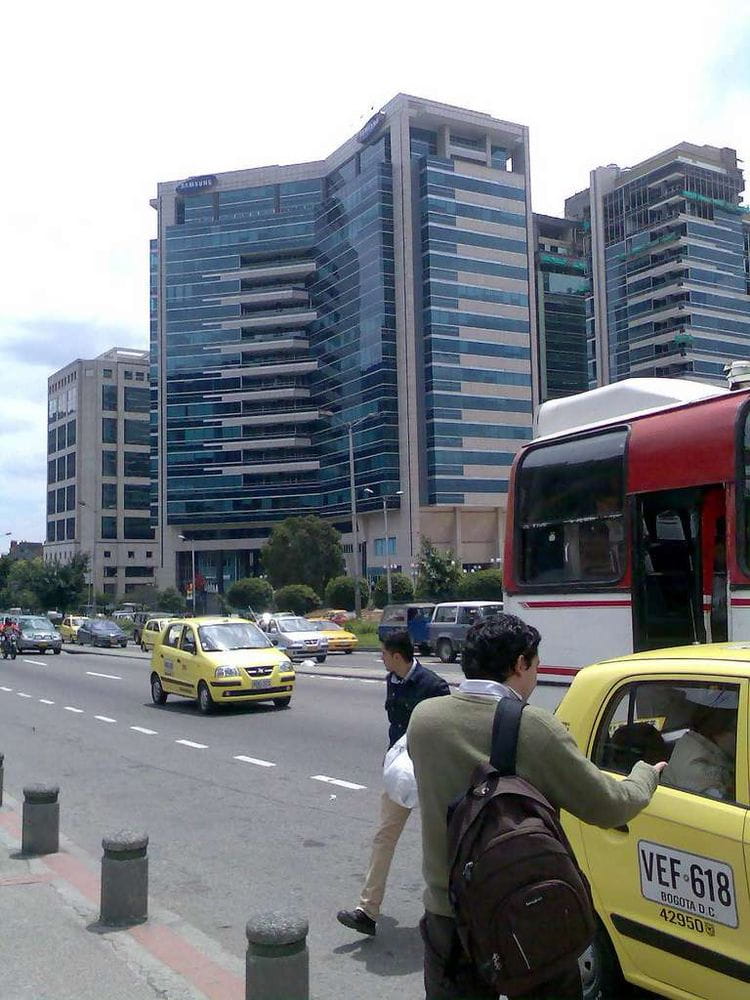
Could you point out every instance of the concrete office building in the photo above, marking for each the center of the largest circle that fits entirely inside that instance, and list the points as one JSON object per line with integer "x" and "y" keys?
{"x": 669, "y": 264}
{"x": 385, "y": 291}
{"x": 98, "y": 481}
{"x": 563, "y": 285}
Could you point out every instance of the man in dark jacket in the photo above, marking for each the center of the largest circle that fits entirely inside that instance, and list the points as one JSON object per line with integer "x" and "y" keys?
{"x": 408, "y": 683}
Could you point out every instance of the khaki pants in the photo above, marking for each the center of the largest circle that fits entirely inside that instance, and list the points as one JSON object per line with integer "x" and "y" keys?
{"x": 393, "y": 818}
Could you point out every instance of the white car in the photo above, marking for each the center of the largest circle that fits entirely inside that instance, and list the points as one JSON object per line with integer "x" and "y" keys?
{"x": 297, "y": 637}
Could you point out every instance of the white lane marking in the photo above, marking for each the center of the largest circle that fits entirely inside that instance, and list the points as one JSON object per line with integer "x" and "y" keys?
{"x": 336, "y": 781}
{"x": 195, "y": 746}
{"x": 104, "y": 718}
{"x": 46, "y": 701}
{"x": 366, "y": 680}
{"x": 37, "y": 663}
{"x": 111, "y": 677}
{"x": 22, "y": 695}
{"x": 254, "y": 760}
{"x": 146, "y": 732}
{"x": 6, "y": 689}
{"x": 69, "y": 708}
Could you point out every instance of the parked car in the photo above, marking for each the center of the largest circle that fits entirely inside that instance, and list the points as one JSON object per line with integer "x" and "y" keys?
{"x": 671, "y": 887}
{"x": 37, "y": 633}
{"x": 218, "y": 660}
{"x": 297, "y": 637}
{"x": 152, "y": 629}
{"x": 339, "y": 639}
{"x": 413, "y": 617}
{"x": 450, "y": 623}
{"x": 68, "y": 627}
{"x": 101, "y": 632}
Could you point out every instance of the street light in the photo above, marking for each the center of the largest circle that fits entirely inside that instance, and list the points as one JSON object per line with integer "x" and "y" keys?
{"x": 184, "y": 538}
{"x": 92, "y": 587}
{"x": 385, "y": 499}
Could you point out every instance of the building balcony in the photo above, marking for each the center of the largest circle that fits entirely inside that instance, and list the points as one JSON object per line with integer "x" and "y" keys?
{"x": 264, "y": 271}
{"x": 293, "y": 465}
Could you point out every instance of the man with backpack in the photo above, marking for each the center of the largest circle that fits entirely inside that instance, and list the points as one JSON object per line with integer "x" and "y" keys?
{"x": 447, "y": 739}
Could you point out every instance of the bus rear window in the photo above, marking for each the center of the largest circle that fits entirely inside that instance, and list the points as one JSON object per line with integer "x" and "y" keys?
{"x": 569, "y": 511}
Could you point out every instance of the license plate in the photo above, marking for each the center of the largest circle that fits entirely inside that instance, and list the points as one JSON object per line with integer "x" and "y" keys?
{"x": 262, "y": 683}
{"x": 687, "y": 882}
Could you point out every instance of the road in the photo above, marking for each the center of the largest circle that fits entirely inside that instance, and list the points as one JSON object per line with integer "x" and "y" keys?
{"x": 250, "y": 809}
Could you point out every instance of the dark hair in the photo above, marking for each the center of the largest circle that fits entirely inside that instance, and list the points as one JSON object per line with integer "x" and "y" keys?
{"x": 400, "y": 642}
{"x": 493, "y": 645}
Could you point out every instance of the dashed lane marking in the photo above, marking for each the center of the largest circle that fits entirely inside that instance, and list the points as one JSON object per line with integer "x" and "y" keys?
{"x": 254, "y": 760}
{"x": 195, "y": 746}
{"x": 104, "y": 718}
{"x": 69, "y": 708}
{"x": 337, "y": 781}
{"x": 146, "y": 732}
{"x": 46, "y": 701}
{"x": 21, "y": 694}
{"x": 37, "y": 663}
{"x": 111, "y": 677}
{"x": 9, "y": 690}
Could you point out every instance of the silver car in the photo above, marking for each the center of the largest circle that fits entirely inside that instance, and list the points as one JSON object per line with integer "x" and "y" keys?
{"x": 298, "y": 637}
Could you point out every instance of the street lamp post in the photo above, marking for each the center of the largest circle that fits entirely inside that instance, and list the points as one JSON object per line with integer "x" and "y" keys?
{"x": 385, "y": 500}
{"x": 92, "y": 584}
{"x": 184, "y": 538}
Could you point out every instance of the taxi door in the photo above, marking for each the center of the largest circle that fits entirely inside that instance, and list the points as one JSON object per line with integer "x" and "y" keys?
{"x": 189, "y": 662}
{"x": 170, "y": 661}
{"x": 671, "y": 884}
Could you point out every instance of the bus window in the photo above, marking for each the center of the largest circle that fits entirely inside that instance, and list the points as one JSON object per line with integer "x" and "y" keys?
{"x": 570, "y": 500}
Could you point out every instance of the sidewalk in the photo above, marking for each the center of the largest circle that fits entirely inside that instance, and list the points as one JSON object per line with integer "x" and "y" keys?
{"x": 52, "y": 948}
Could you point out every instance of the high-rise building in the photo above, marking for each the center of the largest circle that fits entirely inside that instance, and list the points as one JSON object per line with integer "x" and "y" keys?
{"x": 384, "y": 294}
{"x": 562, "y": 286}
{"x": 98, "y": 482}
{"x": 668, "y": 258}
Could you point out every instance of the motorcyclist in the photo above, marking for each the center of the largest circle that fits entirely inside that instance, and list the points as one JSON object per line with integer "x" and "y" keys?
{"x": 8, "y": 631}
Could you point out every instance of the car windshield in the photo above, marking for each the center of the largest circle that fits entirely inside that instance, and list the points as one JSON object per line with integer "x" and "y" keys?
{"x": 296, "y": 625}
{"x": 231, "y": 635}
{"x": 105, "y": 626}
{"x": 77, "y": 621}
{"x": 328, "y": 627}
{"x": 39, "y": 624}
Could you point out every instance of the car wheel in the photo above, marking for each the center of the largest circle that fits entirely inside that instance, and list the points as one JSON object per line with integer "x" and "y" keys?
{"x": 348, "y": 650}
{"x": 205, "y": 701}
{"x": 158, "y": 694}
{"x": 601, "y": 977}
{"x": 321, "y": 659}
{"x": 424, "y": 649}
{"x": 56, "y": 652}
{"x": 282, "y": 702}
{"x": 144, "y": 647}
{"x": 123, "y": 644}
{"x": 445, "y": 651}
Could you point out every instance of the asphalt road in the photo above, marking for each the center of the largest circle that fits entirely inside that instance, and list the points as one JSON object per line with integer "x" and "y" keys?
{"x": 250, "y": 809}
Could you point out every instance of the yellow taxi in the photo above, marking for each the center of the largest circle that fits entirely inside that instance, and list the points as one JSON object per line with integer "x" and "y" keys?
{"x": 671, "y": 887}
{"x": 218, "y": 661}
{"x": 339, "y": 640}
{"x": 68, "y": 627}
{"x": 152, "y": 629}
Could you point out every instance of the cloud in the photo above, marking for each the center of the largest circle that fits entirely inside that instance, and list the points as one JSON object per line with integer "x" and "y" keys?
{"x": 52, "y": 343}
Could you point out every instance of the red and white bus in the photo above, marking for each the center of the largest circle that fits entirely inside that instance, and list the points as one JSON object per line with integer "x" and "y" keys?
{"x": 629, "y": 522}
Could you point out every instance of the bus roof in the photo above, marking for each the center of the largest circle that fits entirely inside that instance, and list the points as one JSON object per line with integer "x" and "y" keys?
{"x": 619, "y": 400}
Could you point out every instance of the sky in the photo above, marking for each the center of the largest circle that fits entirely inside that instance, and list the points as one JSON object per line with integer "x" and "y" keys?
{"x": 102, "y": 101}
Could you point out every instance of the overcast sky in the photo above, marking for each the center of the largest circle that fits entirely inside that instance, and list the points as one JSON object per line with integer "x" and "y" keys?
{"x": 101, "y": 101}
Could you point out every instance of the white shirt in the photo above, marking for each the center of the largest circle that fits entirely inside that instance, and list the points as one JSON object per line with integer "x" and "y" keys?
{"x": 488, "y": 689}
{"x": 395, "y": 679}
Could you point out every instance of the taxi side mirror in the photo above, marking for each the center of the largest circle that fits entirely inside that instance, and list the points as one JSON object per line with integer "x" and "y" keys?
{"x": 274, "y": 640}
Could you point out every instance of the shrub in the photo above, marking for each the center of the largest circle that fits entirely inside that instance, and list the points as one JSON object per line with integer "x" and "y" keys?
{"x": 340, "y": 592}
{"x": 402, "y": 590}
{"x": 251, "y": 592}
{"x": 484, "y": 585}
{"x": 297, "y": 597}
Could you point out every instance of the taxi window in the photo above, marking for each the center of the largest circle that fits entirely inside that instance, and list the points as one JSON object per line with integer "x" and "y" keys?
{"x": 172, "y": 637}
{"x": 690, "y": 724}
{"x": 188, "y": 640}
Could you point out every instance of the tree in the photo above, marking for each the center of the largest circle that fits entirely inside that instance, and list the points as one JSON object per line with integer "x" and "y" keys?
{"x": 251, "y": 592}
{"x": 483, "y": 585}
{"x": 439, "y": 574}
{"x": 22, "y": 583}
{"x": 296, "y": 597}
{"x": 171, "y": 599}
{"x": 303, "y": 550}
{"x": 402, "y": 590}
{"x": 340, "y": 592}
{"x": 42, "y": 586}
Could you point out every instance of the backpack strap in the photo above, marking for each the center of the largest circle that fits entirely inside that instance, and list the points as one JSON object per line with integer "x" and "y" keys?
{"x": 505, "y": 726}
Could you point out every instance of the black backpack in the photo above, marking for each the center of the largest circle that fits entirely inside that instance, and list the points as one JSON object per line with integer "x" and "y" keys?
{"x": 523, "y": 907}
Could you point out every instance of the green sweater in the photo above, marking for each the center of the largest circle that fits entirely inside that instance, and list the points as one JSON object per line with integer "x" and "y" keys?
{"x": 448, "y": 737}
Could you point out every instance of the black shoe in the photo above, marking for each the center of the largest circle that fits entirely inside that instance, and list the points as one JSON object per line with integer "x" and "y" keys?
{"x": 358, "y": 920}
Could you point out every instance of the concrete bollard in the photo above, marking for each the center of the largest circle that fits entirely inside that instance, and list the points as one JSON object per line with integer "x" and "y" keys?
{"x": 40, "y": 831}
{"x": 124, "y": 888}
{"x": 278, "y": 962}
{"x": 2, "y": 774}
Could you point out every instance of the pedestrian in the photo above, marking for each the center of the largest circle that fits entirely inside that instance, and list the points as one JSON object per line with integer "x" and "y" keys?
{"x": 407, "y": 684}
{"x": 448, "y": 738}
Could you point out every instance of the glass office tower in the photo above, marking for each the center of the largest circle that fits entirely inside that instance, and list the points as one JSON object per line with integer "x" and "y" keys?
{"x": 382, "y": 292}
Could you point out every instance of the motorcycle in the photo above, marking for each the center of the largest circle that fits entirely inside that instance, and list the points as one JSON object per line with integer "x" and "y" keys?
{"x": 10, "y": 646}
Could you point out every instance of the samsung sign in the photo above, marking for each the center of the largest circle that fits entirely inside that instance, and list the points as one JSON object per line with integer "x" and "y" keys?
{"x": 370, "y": 128}
{"x": 193, "y": 184}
